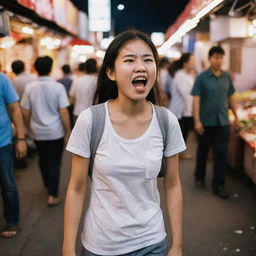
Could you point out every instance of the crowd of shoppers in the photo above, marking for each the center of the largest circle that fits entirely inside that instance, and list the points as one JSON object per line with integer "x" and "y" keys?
{"x": 124, "y": 200}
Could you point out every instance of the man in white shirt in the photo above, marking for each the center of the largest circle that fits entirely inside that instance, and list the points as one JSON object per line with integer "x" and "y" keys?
{"x": 22, "y": 78}
{"x": 83, "y": 87}
{"x": 44, "y": 105}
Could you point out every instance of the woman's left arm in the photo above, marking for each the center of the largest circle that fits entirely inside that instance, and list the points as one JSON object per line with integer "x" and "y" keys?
{"x": 174, "y": 203}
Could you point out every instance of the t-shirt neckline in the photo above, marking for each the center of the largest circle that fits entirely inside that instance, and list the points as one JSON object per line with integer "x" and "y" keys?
{"x": 108, "y": 120}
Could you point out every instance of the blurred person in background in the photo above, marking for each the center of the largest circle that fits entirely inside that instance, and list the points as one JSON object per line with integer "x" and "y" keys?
{"x": 83, "y": 87}
{"x": 213, "y": 94}
{"x": 174, "y": 66}
{"x": 182, "y": 100}
{"x": 22, "y": 78}
{"x": 44, "y": 105}
{"x": 9, "y": 108}
{"x": 67, "y": 80}
{"x": 163, "y": 74}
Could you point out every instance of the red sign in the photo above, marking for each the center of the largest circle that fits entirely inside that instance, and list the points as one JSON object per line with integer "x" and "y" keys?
{"x": 30, "y": 4}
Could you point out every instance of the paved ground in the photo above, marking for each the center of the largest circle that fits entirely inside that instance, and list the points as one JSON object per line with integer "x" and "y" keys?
{"x": 209, "y": 222}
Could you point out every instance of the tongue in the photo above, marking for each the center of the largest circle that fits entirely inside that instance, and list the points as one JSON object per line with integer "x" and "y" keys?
{"x": 139, "y": 86}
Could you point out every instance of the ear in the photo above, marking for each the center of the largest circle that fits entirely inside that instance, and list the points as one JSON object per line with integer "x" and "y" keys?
{"x": 111, "y": 74}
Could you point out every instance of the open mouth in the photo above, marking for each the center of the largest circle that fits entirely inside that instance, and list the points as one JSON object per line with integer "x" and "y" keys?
{"x": 139, "y": 81}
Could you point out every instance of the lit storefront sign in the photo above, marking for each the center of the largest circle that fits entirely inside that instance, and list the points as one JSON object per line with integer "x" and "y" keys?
{"x": 99, "y": 15}
{"x": 65, "y": 15}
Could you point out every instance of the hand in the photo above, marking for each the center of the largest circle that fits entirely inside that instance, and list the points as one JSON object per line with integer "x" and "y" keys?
{"x": 175, "y": 251}
{"x": 199, "y": 127}
{"x": 21, "y": 149}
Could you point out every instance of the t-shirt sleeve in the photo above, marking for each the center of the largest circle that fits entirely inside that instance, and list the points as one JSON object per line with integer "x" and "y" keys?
{"x": 63, "y": 98}
{"x": 197, "y": 88}
{"x": 175, "y": 142}
{"x": 10, "y": 95}
{"x": 79, "y": 141}
{"x": 231, "y": 89}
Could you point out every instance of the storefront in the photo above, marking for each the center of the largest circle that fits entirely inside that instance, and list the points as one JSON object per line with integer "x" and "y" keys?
{"x": 231, "y": 24}
{"x": 36, "y": 28}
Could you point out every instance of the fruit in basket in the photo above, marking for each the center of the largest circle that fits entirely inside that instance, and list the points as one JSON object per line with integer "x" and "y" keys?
{"x": 246, "y": 123}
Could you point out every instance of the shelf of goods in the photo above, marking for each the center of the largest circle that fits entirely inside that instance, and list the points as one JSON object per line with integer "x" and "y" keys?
{"x": 242, "y": 145}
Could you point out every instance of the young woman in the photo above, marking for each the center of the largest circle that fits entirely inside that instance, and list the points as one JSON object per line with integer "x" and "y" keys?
{"x": 124, "y": 215}
{"x": 182, "y": 100}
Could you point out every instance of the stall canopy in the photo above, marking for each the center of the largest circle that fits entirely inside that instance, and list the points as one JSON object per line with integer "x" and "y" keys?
{"x": 191, "y": 9}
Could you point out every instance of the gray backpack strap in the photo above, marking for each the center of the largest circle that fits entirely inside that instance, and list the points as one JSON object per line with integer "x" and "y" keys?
{"x": 98, "y": 124}
{"x": 163, "y": 121}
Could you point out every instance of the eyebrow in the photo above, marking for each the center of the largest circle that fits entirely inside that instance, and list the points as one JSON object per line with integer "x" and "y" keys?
{"x": 135, "y": 55}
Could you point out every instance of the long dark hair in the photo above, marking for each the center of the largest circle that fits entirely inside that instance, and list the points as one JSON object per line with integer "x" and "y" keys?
{"x": 106, "y": 88}
{"x": 183, "y": 59}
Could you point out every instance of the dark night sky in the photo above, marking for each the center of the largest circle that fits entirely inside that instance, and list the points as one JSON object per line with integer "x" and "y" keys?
{"x": 146, "y": 15}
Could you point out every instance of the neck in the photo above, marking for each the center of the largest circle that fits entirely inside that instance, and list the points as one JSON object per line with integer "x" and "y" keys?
{"x": 187, "y": 70}
{"x": 129, "y": 107}
{"x": 216, "y": 71}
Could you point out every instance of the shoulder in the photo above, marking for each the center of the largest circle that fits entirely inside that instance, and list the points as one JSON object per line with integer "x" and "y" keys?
{"x": 86, "y": 115}
{"x": 4, "y": 79}
{"x": 226, "y": 74}
{"x": 202, "y": 75}
{"x": 31, "y": 85}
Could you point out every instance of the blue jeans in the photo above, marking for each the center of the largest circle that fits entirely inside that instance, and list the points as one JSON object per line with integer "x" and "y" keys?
{"x": 159, "y": 249}
{"x": 8, "y": 186}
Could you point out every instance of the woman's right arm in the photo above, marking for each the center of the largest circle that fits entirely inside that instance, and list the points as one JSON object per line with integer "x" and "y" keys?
{"x": 74, "y": 203}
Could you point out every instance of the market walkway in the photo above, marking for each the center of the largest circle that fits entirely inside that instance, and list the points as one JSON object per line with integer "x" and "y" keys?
{"x": 212, "y": 227}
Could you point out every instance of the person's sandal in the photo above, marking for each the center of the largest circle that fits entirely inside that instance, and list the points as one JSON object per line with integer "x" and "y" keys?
{"x": 14, "y": 230}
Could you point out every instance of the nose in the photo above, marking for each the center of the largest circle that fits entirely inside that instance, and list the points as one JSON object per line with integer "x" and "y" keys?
{"x": 140, "y": 66}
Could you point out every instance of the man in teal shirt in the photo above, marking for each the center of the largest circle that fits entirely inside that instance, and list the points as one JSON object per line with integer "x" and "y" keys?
{"x": 213, "y": 95}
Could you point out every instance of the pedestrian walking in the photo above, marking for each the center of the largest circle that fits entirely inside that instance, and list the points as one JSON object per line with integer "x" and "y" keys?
{"x": 213, "y": 94}
{"x": 9, "y": 108}
{"x": 182, "y": 100}
{"x": 124, "y": 214}
{"x": 44, "y": 105}
{"x": 83, "y": 87}
{"x": 67, "y": 80}
{"x": 22, "y": 78}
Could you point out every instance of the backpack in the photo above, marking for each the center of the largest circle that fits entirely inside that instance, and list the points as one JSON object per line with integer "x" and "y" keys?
{"x": 98, "y": 124}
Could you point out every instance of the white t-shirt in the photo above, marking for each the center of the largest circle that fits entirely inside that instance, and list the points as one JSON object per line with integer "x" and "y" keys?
{"x": 182, "y": 100}
{"x": 21, "y": 81}
{"x": 83, "y": 89}
{"x": 44, "y": 98}
{"x": 124, "y": 212}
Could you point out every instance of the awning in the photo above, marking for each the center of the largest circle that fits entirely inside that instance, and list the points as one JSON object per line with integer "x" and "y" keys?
{"x": 191, "y": 8}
